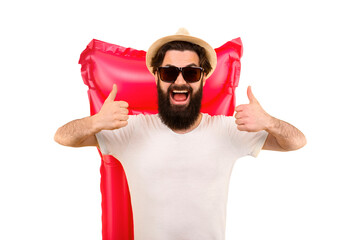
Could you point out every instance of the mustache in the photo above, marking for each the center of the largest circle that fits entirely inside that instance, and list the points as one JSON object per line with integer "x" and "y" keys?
{"x": 173, "y": 87}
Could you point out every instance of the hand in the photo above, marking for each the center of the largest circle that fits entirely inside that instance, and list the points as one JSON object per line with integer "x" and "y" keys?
{"x": 113, "y": 114}
{"x": 251, "y": 117}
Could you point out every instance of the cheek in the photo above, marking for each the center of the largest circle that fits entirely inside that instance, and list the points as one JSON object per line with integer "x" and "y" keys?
{"x": 164, "y": 87}
{"x": 195, "y": 88}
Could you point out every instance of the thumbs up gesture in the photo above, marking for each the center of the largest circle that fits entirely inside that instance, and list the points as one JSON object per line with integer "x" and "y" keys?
{"x": 113, "y": 114}
{"x": 252, "y": 117}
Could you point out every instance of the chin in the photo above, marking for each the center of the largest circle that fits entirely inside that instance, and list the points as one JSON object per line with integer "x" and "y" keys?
{"x": 179, "y": 112}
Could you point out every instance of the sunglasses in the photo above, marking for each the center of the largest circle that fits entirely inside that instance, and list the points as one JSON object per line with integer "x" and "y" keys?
{"x": 169, "y": 74}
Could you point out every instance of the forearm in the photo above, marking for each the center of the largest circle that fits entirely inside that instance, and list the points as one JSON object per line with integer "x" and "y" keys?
{"x": 74, "y": 133}
{"x": 285, "y": 135}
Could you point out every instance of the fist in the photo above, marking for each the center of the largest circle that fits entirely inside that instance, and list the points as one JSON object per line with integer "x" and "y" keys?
{"x": 251, "y": 117}
{"x": 113, "y": 114}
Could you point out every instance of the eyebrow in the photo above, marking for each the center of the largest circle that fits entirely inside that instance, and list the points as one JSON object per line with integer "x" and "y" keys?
{"x": 189, "y": 65}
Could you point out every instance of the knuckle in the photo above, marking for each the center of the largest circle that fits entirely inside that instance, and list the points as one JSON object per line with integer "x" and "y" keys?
{"x": 119, "y": 124}
{"x": 114, "y": 125}
{"x": 123, "y": 123}
{"x": 124, "y": 111}
{"x": 117, "y": 104}
{"x": 124, "y": 104}
{"x": 118, "y": 116}
{"x": 241, "y": 107}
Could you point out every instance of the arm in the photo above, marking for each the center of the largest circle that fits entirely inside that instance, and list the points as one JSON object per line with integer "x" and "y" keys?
{"x": 282, "y": 135}
{"x": 77, "y": 133}
{"x": 81, "y": 132}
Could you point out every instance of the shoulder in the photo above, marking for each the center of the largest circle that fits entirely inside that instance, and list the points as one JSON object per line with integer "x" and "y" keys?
{"x": 144, "y": 122}
{"x": 139, "y": 123}
{"x": 217, "y": 119}
{"x": 219, "y": 124}
{"x": 147, "y": 119}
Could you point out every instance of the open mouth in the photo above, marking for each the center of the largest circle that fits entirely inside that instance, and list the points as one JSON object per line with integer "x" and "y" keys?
{"x": 179, "y": 97}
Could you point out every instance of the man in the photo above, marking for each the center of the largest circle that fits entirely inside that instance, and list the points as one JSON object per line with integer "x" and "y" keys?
{"x": 178, "y": 162}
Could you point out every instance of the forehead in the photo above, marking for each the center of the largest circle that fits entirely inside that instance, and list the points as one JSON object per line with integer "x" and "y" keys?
{"x": 180, "y": 58}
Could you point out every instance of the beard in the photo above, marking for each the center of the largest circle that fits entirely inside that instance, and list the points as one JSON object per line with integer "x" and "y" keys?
{"x": 179, "y": 117}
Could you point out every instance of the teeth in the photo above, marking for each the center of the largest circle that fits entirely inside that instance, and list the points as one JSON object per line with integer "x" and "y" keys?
{"x": 177, "y": 91}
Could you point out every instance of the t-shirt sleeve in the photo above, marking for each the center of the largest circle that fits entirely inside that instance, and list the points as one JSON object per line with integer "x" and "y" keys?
{"x": 245, "y": 143}
{"x": 112, "y": 141}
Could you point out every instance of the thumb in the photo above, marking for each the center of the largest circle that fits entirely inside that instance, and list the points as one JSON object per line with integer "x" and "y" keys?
{"x": 112, "y": 94}
{"x": 251, "y": 96}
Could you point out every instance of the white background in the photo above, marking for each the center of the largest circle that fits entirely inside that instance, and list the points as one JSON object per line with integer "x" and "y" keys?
{"x": 301, "y": 58}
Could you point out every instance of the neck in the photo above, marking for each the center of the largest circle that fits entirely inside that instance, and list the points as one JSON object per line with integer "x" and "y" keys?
{"x": 192, "y": 127}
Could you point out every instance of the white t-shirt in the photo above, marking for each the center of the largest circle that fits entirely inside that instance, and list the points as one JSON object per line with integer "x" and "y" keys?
{"x": 179, "y": 182}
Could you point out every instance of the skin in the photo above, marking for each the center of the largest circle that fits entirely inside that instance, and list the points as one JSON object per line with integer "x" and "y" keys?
{"x": 181, "y": 59}
{"x": 81, "y": 132}
{"x": 253, "y": 118}
{"x": 249, "y": 117}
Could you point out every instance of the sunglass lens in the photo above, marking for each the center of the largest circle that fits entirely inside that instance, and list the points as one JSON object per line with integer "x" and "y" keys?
{"x": 169, "y": 74}
{"x": 191, "y": 74}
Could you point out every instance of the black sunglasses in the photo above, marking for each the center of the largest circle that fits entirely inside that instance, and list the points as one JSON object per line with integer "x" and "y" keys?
{"x": 191, "y": 74}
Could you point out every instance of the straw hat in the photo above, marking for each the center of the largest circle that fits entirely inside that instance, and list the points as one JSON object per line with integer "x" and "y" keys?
{"x": 181, "y": 35}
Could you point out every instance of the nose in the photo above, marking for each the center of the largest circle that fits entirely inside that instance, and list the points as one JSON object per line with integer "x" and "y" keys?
{"x": 180, "y": 80}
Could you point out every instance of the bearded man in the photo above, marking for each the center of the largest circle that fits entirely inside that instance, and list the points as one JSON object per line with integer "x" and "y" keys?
{"x": 178, "y": 162}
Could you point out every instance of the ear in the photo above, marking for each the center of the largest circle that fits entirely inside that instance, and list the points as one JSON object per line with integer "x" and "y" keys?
{"x": 204, "y": 78}
{"x": 156, "y": 77}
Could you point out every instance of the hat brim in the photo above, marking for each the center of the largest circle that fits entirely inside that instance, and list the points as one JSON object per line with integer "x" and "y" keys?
{"x": 210, "y": 52}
